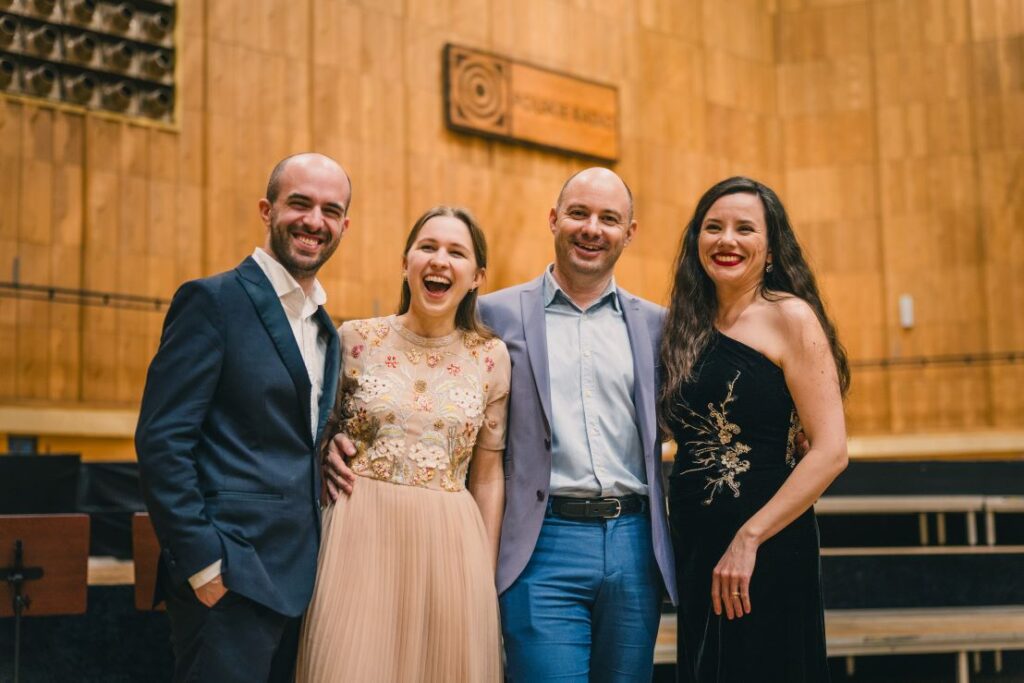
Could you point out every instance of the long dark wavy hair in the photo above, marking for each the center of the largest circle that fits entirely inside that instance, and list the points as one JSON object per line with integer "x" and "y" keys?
{"x": 466, "y": 317}
{"x": 690, "y": 322}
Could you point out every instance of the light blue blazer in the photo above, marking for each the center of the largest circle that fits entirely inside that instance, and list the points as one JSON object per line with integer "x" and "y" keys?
{"x": 516, "y": 314}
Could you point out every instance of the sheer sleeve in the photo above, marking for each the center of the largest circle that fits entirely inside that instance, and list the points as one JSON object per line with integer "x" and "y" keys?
{"x": 497, "y": 372}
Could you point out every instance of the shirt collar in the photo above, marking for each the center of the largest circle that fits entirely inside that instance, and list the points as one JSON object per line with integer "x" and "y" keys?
{"x": 553, "y": 291}
{"x": 282, "y": 281}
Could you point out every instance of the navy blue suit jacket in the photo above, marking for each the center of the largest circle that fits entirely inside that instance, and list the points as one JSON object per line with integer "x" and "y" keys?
{"x": 516, "y": 314}
{"x": 227, "y": 457}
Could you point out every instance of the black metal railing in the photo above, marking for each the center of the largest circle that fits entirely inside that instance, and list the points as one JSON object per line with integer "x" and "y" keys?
{"x": 88, "y": 297}
{"x": 82, "y": 297}
{"x": 939, "y": 360}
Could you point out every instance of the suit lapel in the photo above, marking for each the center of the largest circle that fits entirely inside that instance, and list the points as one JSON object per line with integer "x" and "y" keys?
{"x": 535, "y": 333}
{"x": 643, "y": 368}
{"x": 331, "y": 369}
{"x": 271, "y": 312}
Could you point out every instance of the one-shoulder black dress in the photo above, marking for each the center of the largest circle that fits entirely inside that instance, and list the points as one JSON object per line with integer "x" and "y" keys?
{"x": 735, "y": 426}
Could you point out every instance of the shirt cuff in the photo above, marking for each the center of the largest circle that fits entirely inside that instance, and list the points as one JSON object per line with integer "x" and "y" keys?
{"x": 205, "y": 576}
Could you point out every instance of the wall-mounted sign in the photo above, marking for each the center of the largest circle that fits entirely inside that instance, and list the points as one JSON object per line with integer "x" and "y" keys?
{"x": 499, "y": 97}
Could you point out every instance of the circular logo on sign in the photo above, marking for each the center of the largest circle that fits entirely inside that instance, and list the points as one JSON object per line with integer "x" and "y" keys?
{"x": 478, "y": 90}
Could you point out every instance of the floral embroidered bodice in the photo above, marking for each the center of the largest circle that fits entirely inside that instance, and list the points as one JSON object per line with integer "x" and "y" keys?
{"x": 416, "y": 406}
{"x": 734, "y": 424}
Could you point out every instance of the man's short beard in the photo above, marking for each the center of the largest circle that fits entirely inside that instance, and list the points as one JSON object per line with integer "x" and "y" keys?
{"x": 280, "y": 244}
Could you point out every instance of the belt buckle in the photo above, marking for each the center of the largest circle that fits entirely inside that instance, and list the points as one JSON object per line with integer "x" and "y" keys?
{"x": 618, "y": 508}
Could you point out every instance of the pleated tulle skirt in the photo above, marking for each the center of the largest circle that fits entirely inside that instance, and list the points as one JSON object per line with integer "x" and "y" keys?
{"x": 404, "y": 591}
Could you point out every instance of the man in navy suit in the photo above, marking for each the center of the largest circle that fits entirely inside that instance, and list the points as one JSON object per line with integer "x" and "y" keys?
{"x": 585, "y": 554}
{"x": 234, "y": 405}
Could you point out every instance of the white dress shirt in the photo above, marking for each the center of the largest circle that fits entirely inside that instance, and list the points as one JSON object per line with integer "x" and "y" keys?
{"x": 300, "y": 309}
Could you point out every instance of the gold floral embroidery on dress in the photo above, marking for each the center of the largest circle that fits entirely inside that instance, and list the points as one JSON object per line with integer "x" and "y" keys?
{"x": 363, "y": 328}
{"x": 794, "y": 429}
{"x": 715, "y": 451}
{"x": 414, "y": 423}
{"x": 460, "y": 450}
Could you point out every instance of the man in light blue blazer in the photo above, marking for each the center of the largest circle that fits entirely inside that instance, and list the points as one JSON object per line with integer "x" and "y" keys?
{"x": 585, "y": 552}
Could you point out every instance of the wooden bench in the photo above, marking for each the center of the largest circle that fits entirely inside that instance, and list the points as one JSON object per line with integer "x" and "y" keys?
{"x": 944, "y": 550}
{"x": 996, "y": 504}
{"x": 925, "y": 630}
{"x": 110, "y": 571}
{"x": 921, "y": 630}
{"x": 971, "y": 506}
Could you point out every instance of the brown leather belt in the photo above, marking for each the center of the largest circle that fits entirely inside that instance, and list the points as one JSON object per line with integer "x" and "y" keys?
{"x": 609, "y": 507}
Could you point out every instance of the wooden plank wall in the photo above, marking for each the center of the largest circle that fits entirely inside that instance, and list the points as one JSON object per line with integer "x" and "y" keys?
{"x": 902, "y": 124}
{"x": 997, "y": 60}
{"x": 892, "y": 129}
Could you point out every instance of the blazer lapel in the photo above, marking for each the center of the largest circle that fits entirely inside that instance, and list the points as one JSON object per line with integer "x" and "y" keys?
{"x": 331, "y": 369}
{"x": 535, "y": 333}
{"x": 643, "y": 369}
{"x": 271, "y": 312}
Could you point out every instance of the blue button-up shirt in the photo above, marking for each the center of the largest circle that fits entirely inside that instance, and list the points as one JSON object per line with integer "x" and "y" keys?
{"x": 596, "y": 448}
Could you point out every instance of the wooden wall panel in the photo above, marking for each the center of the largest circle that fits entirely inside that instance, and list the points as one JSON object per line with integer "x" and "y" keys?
{"x": 939, "y": 399}
{"x": 66, "y": 256}
{"x": 931, "y": 232}
{"x": 996, "y": 18}
{"x": 34, "y": 241}
{"x": 892, "y": 129}
{"x": 938, "y": 81}
{"x": 827, "y": 110}
{"x": 998, "y": 94}
{"x": 102, "y": 219}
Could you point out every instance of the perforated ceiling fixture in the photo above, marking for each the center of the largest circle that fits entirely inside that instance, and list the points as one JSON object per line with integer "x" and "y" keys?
{"x": 107, "y": 56}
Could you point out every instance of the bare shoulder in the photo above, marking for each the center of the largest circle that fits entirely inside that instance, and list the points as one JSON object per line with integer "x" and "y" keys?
{"x": 796, "y": 321}
{"x": 792, "y": 310}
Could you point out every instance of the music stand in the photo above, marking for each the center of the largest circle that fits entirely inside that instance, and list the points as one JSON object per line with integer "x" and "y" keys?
{"x": 146, "y": 553}
{"x": 52, "y": 553}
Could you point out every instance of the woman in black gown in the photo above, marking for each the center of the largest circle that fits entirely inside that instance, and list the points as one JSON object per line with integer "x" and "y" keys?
{"x": 747, "y": 348}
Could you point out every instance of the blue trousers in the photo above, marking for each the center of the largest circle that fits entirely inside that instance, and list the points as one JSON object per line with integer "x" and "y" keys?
{"x": 587, "y": 606}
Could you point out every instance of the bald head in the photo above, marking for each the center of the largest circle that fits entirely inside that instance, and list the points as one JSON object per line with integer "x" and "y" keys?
{"x": 592, "y": 223}
{"x": 589, "y": 175}
{"x": 313, "y": 160}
